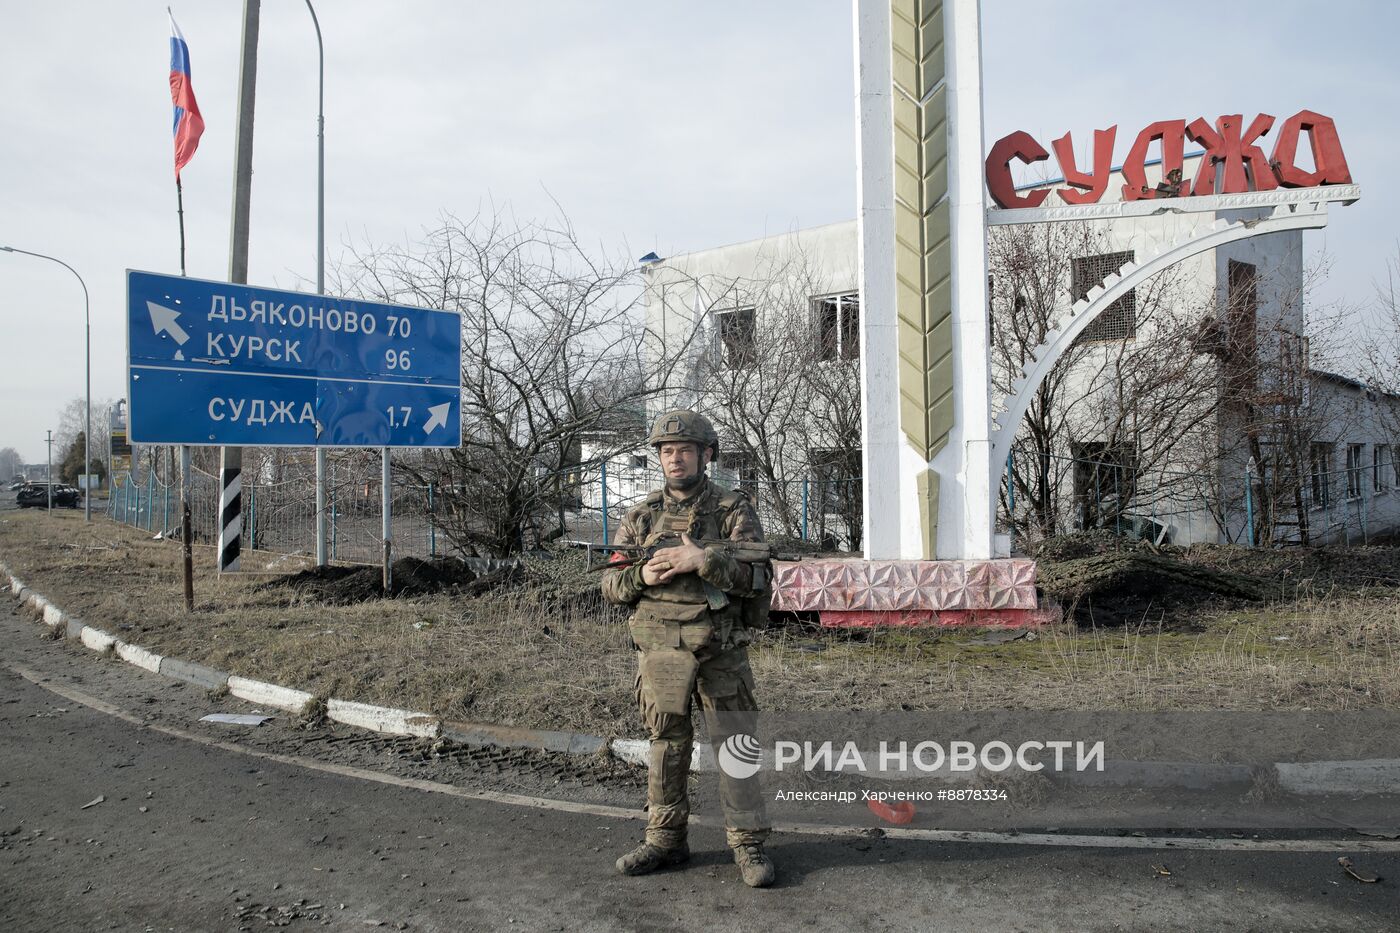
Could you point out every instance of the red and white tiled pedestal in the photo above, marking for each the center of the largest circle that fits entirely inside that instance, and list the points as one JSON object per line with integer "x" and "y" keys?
{"x": 854, "y": 592}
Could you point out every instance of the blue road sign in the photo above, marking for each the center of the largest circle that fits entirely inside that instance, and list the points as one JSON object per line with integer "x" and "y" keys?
{"x": 218, "y": 364}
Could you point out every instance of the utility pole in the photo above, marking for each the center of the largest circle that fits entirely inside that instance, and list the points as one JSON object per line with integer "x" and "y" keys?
{"x": 231, "y": 458}
{"x": 48, "y": 471}
{"x": 320, "y": 266}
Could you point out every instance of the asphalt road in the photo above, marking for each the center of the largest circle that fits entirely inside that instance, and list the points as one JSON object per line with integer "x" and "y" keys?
{"x": 190, "y": 835}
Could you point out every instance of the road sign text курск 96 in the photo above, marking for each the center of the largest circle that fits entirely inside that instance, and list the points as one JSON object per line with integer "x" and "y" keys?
{"x": 220, "y": 364}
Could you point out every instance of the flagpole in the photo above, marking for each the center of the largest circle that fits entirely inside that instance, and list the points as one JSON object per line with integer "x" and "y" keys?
{"x": 180, "y": 209}
{"x": 186, "y": 479}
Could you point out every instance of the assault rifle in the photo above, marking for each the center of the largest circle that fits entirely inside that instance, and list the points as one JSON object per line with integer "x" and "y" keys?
{"x": 619, "y": 556}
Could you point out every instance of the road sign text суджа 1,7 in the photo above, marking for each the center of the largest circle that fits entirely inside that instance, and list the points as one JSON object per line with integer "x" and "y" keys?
{"x": 215, "y": 363}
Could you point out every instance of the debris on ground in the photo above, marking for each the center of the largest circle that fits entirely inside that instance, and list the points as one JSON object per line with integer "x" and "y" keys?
{"x": 236, "y": 719}
{"x": 92, "y": 803}
{"x": 1000, "y": 636}
{"x": 900, "y": 813}
{"x": 1365, "y": 877}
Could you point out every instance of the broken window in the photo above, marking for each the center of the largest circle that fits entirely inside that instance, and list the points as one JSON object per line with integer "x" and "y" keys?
{"x": 1119, "y": 320}
{"x": 741, "y": 464}
{"x": 1354, "y": 455}
{"x": 1241, "y": 324}
{"x": 836, "y": 478}
{"x": 1105, "y": 481}
{"x": 837, "y": 321}
{"x": 1320, "y": 470}
{"x": 738, "y": 337}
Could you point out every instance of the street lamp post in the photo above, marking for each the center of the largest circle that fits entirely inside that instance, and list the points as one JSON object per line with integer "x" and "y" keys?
{"x": 87, "y": 326}
{"x": 320, "y": 266}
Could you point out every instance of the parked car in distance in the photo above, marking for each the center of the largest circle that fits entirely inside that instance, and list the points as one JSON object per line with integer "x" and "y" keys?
{"x": 18, "y": 484}
{"x": 37, "y": 495}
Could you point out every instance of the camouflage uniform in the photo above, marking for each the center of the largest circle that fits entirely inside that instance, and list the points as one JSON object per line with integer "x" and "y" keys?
{"x": 679, "y": 615}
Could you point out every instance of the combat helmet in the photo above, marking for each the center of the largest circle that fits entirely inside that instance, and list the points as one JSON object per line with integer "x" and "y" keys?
{"x": 683, "y": 425}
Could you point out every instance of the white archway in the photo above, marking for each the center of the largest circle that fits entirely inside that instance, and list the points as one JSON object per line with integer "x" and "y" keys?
{"x": 1296, "y": 209}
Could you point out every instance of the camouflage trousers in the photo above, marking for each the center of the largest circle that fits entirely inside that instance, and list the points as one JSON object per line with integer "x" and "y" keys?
{"x": 724, "y": 686}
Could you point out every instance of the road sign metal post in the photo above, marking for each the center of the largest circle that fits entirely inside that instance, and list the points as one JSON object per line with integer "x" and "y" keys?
{"x": 48, "y": 470}
{"x": 387, "y": 508}
{"x": 432, "y": 524}
{"x": 185, "y": 532}
{"x": 604, "y": 480}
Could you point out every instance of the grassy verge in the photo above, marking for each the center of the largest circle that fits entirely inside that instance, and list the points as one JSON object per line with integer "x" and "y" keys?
{"x": 522, "y": 657}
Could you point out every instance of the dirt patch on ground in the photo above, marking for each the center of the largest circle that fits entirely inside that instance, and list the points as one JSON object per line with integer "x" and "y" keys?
{"x": 1107, "y": 580}
{"x": 542, "y": 651}
{"x": 411, "y": 577}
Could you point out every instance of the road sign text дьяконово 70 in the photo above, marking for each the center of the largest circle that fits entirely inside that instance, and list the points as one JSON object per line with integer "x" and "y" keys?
{"x": 214, "y": 363}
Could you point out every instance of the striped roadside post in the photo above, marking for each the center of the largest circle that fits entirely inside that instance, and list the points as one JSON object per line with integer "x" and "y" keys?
{"x": 231, "y": 509}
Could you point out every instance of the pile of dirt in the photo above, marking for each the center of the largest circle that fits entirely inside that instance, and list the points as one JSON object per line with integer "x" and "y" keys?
{"x": 1345, "y": 570}
{"x": 1129, "y": 587}
{"x": 343, "y": 586}
{"x": 558, "y": 580}
{"x": 1108, "y": 579}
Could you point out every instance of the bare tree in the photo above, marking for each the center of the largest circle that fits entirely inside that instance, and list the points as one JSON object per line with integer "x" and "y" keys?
{"x": 552, "y": 357}
{"x": 1121, "y": 405}
{"x": 1380, "y": 350}
{"x": 11, "y": 463}
{"x": 1270, "y": 412}
{"x": 780, "y": 377}
{"x": 72, "y": 423}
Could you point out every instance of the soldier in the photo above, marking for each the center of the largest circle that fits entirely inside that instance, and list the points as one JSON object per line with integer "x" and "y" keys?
{"x": 690, "y": 635}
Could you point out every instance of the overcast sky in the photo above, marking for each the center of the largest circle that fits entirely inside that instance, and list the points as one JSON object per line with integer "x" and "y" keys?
{"x": 657, "y": 126}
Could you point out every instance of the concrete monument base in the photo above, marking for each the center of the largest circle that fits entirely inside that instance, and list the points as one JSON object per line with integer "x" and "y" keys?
{"x": 864, "y": 593}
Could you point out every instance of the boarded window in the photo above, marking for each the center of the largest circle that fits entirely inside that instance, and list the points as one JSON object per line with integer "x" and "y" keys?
{"x": 1119, "y": 320}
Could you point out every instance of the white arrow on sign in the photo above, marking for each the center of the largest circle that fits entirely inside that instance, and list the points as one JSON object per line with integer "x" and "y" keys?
{"x": 437, "y": 417}
{"x": 164, "y": 319}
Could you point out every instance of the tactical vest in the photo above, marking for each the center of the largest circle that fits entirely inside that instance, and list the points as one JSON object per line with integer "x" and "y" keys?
{"x": 704, "y": 519}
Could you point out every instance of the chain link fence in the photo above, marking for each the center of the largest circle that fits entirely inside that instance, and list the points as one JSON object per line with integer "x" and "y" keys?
{"x": 281, "y": 516}
{"x": 1355, "y": 504}
{"x": 1058, "y": 494}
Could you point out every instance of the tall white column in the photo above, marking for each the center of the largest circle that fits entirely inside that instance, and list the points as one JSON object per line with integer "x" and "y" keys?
{"x": 967, "y": 507}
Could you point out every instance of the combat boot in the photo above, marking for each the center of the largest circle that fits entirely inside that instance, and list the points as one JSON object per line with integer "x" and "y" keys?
{"x": 754, "y": 865}
{"x": 647, "y": 858}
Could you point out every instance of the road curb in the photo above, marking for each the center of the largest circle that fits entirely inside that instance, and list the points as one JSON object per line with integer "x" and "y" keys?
{"x": 383, "y": 719}
{"x": 1371, "y": 776}
{"x": 262, "y": 693}
{"x": 192, "y": 673}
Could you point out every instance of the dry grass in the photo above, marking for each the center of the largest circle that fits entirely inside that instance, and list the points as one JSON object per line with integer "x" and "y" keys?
{"x": 515, "y": 657}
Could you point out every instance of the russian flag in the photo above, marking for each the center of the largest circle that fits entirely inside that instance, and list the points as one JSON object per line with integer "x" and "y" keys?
{"x": 189, "y": 125}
